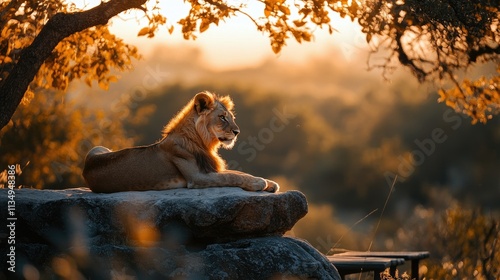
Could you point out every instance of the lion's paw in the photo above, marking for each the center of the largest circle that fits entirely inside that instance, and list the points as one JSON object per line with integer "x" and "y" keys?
{"x": 258, "y": 184}
{"x": 271, "y": 186}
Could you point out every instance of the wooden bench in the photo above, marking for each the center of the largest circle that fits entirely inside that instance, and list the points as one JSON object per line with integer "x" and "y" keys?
{"x": 351, "y": 264}
{"x": 414, "y": 257}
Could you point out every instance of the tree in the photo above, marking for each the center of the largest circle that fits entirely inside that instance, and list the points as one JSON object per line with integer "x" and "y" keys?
{"x": 431, "y": 38}
{"x": 45, "y": 44}
{"x": 437, "y": 39}
{"x": 56, "y": 136}
{"x": 463, "y": 242}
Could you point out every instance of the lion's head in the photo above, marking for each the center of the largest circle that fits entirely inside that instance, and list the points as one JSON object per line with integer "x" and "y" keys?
{"x": 215, "y": 120}
{"x": 209, "y": 118}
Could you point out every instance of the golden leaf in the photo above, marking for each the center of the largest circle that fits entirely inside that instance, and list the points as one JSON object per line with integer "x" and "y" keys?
{"x": 103, "y": 85}
{"x": 204, "y": 25}
{"x": 17, "y": 44}
{"x": 143, "y": 31}
{"x": 298, "y": 23}
{"x": 285, "y": 10}
{"x": 450, "y": 103}
{"x": 368, "y": 37}
{"x": 89, "y": 40}
{"x": 306, "y": 36}
{"x": 7, "y": 60}
{"x": 88, "y": 80}
{"x": 442, "y": 95}
{"x": 5, "y": 32}
{"x": 113, "y": 79}
{"x": 276, "y": 47}
{"x": 267, "y": 12}
{"x": 28, "y": 96}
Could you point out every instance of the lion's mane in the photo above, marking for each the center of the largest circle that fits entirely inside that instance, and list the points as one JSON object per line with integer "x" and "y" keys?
{"x": 192, "y": 133}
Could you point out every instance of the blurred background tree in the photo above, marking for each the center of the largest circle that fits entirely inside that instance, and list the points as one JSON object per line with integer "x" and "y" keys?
{"x": 46, "y": 43}
{"x": 49, "y": 136}
{"x": 438, "y": 40}
{"x": 464, "y": 243}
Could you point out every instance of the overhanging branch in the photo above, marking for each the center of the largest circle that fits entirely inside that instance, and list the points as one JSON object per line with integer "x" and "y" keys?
{"x": 406, "y": 61}
{"x": 476, "y": 53}
{"x": 57, "y": 28}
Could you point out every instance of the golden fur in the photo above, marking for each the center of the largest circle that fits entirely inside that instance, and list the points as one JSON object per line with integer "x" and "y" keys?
{"x": 186, "y": 156}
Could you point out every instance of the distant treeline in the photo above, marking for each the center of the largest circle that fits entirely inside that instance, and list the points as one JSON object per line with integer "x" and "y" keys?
{"x": 348, "y": 155}
{"x": 338, "y": 152}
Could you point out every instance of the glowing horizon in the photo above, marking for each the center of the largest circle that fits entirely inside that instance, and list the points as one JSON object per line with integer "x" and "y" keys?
{"x": 235, "y": 43}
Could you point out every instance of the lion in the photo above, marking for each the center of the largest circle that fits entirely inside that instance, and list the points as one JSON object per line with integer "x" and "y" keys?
{"x": 186, "y": 156}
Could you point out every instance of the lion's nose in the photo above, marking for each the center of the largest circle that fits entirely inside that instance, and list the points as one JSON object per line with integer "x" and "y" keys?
{"x": 236, "y": 132}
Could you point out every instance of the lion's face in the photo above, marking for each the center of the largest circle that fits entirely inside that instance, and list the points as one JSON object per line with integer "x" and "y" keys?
{"x": 215, "y": 123}
{"x": 223, "y": 127}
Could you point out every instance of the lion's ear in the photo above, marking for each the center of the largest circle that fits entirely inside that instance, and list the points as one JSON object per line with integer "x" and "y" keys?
{"x": 203, "y": 101}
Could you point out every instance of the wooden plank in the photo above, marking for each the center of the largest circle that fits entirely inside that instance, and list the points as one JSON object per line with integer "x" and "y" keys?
{"x": 407, "y": 255}
{"x": 349, "y": 265}
{"x": 364, "y": 264}
{"x": 414, "y": 256}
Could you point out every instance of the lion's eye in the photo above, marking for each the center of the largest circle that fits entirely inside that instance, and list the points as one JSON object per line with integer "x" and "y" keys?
{"x": 223, "y": 118}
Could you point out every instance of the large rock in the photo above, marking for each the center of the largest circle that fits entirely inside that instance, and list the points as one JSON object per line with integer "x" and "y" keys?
{"x": 261, "y": 258}
{"x": 216, "y": 233}
{"x": 200, "y": 215}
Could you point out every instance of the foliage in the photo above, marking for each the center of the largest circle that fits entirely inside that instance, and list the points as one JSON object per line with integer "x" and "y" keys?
{"x": 386, "y": 275}
{"x": 277, "y": 20}
{"x": 479, "y": 99}
{"x": 56, "y": 135}
{"x": 88, "y": 55}
{"x": 464, "y": 243}
{"x": 436, "y": 39}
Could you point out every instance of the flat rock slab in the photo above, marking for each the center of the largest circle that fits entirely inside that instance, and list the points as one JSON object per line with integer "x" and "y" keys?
{"x": 216, "y": 233}
{"x": 182, "y": 216}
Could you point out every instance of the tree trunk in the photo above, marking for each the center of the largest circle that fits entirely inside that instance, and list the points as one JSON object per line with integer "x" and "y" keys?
{"x": 57, "y": 28}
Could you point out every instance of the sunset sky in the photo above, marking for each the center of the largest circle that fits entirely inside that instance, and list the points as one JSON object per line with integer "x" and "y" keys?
{"x": 235, "y": 43}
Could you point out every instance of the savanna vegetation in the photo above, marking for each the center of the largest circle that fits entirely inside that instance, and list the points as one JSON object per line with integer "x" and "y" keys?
{"x": 342, "y": 150}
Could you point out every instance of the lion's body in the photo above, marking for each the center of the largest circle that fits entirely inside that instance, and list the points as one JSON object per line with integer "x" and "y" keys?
{"x": 138, "y": 168}
{"x": 185, "y": 157}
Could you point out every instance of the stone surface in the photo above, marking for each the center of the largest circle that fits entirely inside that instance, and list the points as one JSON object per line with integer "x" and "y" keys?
{"x": 216, "y": 233}
{"x": 259, "y": 258}
{"x": 202, "y": 215}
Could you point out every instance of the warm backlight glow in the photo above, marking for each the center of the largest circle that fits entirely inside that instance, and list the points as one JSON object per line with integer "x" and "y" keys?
{"x": 235, "y": 43}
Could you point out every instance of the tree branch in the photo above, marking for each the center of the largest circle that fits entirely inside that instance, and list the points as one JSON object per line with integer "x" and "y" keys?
{"x": 406, "y": 61}
{"x": 476, "y": 53}
{"x": 57, "y": 28}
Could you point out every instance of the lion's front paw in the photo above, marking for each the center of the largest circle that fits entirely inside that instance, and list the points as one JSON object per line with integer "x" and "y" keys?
{"x": 272, "y": 186}
{"x": 258, "y": 184}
